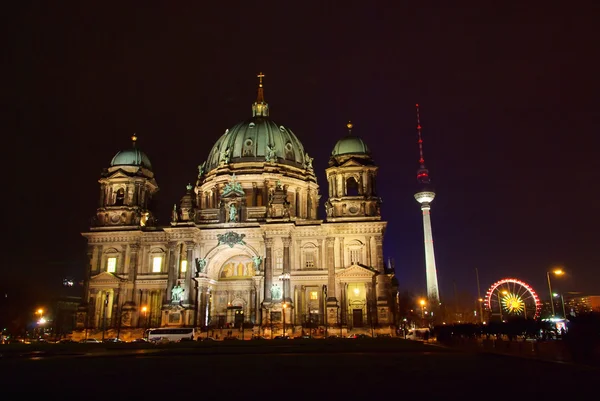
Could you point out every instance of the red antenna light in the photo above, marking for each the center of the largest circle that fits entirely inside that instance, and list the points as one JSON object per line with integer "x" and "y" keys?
{"x": 422, "y": 173}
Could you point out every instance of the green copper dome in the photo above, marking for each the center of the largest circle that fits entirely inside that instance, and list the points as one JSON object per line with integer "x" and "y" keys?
{"x": 131, "y": 157}
{"x": 350, "y": 144}
{"x": 258, "y": 139}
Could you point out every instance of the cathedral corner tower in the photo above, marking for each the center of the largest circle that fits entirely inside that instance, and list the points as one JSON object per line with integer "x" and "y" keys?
{"x": 352, "y": 178}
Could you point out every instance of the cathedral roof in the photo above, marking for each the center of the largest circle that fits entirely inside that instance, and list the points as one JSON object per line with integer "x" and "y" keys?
{"x": 350, "y": 144}
{"x": 131, "y": 157}
{"x": 258, "y": 139}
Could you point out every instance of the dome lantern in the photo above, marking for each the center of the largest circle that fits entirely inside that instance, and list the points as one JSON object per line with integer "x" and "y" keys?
{"x": 260, "y": 108}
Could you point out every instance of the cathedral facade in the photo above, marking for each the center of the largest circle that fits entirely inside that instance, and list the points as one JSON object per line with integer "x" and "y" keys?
{"x": 245, "y": 245}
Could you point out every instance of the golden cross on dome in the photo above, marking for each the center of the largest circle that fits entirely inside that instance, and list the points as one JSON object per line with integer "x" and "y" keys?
{"x": 260, "y": 77}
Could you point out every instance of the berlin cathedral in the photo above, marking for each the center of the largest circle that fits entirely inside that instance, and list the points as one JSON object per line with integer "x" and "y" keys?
{"x": 245, "y": 246}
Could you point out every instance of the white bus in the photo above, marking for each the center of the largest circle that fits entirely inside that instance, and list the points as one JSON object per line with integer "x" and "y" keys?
{"x": 174, "y": 334}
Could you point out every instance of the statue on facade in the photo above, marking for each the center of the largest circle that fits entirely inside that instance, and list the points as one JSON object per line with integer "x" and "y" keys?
{"x": 275, "y": 292}
{"x": 270, "y": 156}
{"x": 233, "y": 215}
{"x": 176, "y": 293}
{"x": 200, "y": 265}
{"x": 257, "y": 261}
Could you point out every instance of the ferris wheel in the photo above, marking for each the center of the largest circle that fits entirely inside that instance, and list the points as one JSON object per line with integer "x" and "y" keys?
{"x": 511, "y": 297}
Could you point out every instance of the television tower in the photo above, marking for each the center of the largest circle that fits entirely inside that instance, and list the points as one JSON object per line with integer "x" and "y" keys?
{"x": 425, "y": 196}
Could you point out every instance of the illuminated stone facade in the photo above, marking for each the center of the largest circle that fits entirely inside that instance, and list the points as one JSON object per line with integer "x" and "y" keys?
{"x": 245, "y": 244}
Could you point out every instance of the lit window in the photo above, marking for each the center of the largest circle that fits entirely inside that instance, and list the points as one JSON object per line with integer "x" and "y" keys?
{"x": 310, "y": 260}
{"x": 314, "y": 295}
{"x": 157, "y": 264}
{"x": 111, "y": 265}
{"x": 183, "y": 266}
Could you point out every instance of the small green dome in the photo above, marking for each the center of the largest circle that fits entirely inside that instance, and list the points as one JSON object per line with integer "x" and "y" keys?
{"x": 350, "y": 144}
{"x": 131, "y": 157}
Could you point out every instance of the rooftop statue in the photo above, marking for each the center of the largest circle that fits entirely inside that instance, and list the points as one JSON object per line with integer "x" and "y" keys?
{"x": 233, "y": 187}
{"x": 201, "y": 169}
{"x": 308, "y": 162}
{"x": 270, "y": 156}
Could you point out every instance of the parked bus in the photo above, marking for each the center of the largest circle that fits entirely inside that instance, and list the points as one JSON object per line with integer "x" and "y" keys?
{"x": 171, "y": 334}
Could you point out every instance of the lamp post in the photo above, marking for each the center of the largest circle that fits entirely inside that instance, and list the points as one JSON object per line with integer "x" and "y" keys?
{"x": 145, "y": 312}
{"x": 500, "y": 304}
{"x": 104, "y": 316}
{"x": 284, "y": 307}
{"x": 556, "y": 272}
{"x": 422, "y": 303}
{"x": 40, "y": 313}
{"x": 562, "y": 301}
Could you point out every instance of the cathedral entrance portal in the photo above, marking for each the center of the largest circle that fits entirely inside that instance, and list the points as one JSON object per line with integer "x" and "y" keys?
{"x": 357, "y": 317}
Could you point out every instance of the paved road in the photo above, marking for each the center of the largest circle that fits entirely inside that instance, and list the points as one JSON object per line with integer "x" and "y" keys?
{"x": 256, "y": 373}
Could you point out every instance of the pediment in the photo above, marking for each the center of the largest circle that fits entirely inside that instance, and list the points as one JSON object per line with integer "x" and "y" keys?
{"x": 356, "y": 271}
{"x": 351, "y": 163}
{"x": 105, "y": 278}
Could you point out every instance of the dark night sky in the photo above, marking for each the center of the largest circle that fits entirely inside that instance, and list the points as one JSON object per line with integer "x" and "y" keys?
{"x": 509, "y": 107}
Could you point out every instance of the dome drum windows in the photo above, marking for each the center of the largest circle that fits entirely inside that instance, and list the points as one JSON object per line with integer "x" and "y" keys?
{"x": 248, "y": 150}
{"x": 289, "y": 151}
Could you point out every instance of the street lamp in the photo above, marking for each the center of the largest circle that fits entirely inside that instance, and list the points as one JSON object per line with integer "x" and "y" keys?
{"x": 500, "y": 304}
{"x": 283, "y": 310}
{"x": 145, "y": 312}
{"x": 562, "y": 301}
{"x": 556, "y": 272}
{"x": 422, "y": 303}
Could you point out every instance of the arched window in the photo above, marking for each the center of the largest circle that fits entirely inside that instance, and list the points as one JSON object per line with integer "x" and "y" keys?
{"x": 157, "y": 257}
{"x": 309, "y": 257}
{"x": 111, "y": 257}
{"x": 355, "y": 252}
{"x": 120, "y": 199}
{"x": 351, "y": 187}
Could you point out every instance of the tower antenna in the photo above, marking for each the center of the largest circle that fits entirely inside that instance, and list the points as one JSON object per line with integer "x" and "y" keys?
{"x": 422, "y": 173}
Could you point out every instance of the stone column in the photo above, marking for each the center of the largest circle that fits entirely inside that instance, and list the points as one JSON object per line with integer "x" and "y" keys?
{"x": 91, "y": 250}
{"x": 188, "y": 294}
{"x": 332, "y": 302}
{"x": 268, "y": 268}
{"x": 298, "y": 203}
{"x": 379, "y": 253}
{"x": 342, "y": 253}
{"x": 369, "y": 261}
{"x": 126, "y": 261}
{"x": 287, "y": 268}
{"x": 133, "y": 268}
{"x": 331, "y": 299}
{"x": 102, "y": 195}
{"x": 172, "y": 256}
